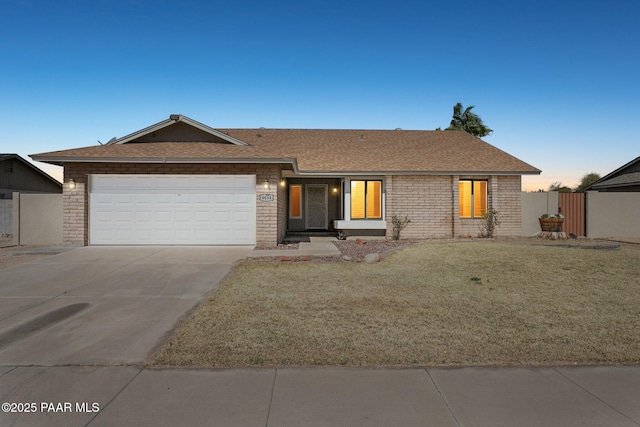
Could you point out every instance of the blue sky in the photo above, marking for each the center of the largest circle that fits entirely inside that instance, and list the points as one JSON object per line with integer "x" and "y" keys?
{"x": 558, "y": 81}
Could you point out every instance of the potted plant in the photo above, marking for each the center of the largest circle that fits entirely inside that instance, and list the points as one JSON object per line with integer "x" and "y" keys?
{"x": 551, "y": 223}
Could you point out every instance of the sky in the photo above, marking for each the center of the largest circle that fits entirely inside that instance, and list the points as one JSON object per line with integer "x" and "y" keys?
{"x": 557, "y": 80}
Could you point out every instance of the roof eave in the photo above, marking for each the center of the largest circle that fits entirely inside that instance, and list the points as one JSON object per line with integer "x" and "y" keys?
{"x": 61, "y": 160}
{"x": 605, "y": 185}
{"x": 612, "y": 174}
{"x": 34, "y": 168}
{"x": 405, "y": 172}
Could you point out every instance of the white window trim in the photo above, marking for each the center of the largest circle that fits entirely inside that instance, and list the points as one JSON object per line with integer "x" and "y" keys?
{"x": 347, "y": 198}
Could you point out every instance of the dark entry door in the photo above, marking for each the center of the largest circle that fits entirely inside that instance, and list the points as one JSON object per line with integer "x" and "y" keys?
{"x": 316, "y": 210}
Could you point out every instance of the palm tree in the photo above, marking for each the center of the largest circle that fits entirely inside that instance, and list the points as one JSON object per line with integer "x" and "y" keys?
{"x": 468, "y": 121}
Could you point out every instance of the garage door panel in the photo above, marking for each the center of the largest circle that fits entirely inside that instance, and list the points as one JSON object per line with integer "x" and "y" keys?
{"x": 242, "y": 216}
{"x": 172, "y": 209}
{"x": 143, "y": 199}
{"x": 242, "y": 199}
{"x": 203, "y": 199}
{"x": 220, "y": 199}
{"x": 162, "y": 216}
{"x": 124, "y": 198}
{"x": 202, "y": 216}
{"x": 164, "y": 199}
{"x": 123, "y": 216}
{"x": 186, "y": 199}
{"x": 142, "y": 217}
{"x": 184, "y": 217}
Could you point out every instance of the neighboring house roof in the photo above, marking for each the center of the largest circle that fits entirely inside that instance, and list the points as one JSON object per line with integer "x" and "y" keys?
{"x": 313, "y": 151}
{"x": 624, "y": 180}
{"x": 625, "y": 176}
{"x": 31, "y": 166}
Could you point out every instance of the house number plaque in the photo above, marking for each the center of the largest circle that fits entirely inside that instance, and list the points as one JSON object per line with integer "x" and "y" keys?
{"x": 266, "y": 198}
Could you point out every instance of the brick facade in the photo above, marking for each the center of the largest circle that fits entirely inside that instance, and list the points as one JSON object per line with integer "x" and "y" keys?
{"x": 269, "y": 229}
{"x": 431, "y": 203}
{"x": 426, "y": 200}
{"x": 508, "y": 202}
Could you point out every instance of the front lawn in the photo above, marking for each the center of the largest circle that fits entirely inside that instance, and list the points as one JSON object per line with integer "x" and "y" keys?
{"x": 442, "y": 303}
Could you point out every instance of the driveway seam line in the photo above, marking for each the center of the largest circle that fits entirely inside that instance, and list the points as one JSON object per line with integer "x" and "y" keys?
{"x": 13, "y": 368}
{"x": 442, "y": 397}
{"x": 114, "y": 396}
{"x": 596, "y": 397}
{"x": 273, "y": 389}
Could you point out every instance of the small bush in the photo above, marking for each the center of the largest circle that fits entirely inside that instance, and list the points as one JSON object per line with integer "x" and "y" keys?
{"x": 489, "y": 223}
{"x": 399, "y": 225}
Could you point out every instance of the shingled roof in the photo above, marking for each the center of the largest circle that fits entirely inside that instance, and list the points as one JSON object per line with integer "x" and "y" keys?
{"x": 318, "y": 151}
{"x": 626, "y": 176}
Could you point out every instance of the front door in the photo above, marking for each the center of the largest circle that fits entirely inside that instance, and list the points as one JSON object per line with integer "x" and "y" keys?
{"x": 316, "y": 210}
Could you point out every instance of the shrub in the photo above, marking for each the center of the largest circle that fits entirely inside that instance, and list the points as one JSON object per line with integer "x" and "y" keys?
{"x": 399, "y": 225}
{"x": 489, "y": 223}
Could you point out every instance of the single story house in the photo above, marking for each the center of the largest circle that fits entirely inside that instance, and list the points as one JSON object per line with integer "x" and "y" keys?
{"x": 19, "y": 175}
{"x": 624, "y": 179}
{"x": 182, "y": 182}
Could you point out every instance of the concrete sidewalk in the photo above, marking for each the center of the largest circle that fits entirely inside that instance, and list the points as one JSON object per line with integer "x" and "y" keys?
{"x": 317, "y": 246}
{"x": 118, "y": 396}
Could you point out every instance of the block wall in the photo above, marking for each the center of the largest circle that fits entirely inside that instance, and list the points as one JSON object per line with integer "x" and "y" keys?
{"x": 6, "y": 216}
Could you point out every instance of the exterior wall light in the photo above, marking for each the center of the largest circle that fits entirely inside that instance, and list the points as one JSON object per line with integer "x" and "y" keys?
{"x": 283, "y": 182}
{"x": 335, "y": 190}
{"x": 72, "y": 184}
{"x": 266, "y": 184}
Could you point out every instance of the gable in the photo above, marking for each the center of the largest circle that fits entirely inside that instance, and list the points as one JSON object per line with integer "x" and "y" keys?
{"x": 16, "y": 174}
{"x": 180, "y": 132}
{"x": 177, "y": 126}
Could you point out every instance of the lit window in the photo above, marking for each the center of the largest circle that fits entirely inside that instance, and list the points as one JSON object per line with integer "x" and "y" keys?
{"x": 295, "y": 201}
{"x": 472, "y": 198}
{"x": 366, "y": 199}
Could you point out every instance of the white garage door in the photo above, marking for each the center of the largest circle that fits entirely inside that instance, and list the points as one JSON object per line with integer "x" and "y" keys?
{"x": 172, "y": 210}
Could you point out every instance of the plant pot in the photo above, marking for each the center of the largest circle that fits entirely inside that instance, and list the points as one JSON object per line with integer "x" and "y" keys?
{"x": 551, "y": 224}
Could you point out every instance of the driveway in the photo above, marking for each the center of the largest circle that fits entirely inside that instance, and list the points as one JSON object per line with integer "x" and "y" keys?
{"x": 104, "y": 305}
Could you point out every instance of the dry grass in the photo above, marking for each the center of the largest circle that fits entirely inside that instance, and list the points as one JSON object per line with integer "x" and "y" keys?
{"x": 467, "y": 303}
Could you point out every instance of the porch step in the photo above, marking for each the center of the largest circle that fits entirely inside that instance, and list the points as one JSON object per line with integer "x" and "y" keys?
{"x": 318, "y": 246}
{"x": 307, "y": 236}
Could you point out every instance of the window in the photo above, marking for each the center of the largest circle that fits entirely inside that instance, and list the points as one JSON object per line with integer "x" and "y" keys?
{"x": 366, "y": 199}
{"x": 472, "y": 197}
{"x": 295, "y": 201}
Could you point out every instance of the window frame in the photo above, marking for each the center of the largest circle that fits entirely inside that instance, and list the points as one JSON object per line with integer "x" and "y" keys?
{"x": 366, "y": 202}
{"x": 473, "y": 199}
